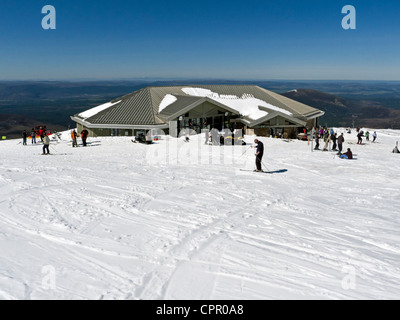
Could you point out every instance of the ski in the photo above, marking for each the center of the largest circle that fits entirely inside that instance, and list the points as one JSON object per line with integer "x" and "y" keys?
{"x": 269, "y": 172}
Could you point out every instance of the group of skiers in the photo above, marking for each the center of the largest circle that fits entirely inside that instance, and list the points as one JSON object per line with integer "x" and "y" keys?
{"x": 39, "y": 131}
{"x": 329, "y": 135}
{"x": 360, "y": 135}
{"x": 43, "y": 133}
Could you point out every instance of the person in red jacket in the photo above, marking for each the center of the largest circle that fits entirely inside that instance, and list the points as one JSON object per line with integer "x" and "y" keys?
{"x": 84, "y": 135}
{"x": 41, "y": 133}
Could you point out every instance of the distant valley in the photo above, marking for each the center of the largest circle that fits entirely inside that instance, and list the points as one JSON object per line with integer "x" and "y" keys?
{"x": 26, "y": 104}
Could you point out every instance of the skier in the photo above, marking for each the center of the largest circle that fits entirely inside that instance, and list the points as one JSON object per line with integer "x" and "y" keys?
{"x": 74, "y": 136}
{"x": 84, "y": 135}
{"x": 24, "y": 137}
{"x": 46, "y": 144}
{"x": 367, "y": 136}
{"x": 33, "y": 135}
{"x": 259, "y": 154}
{"x": 359, "y": 136}
{"x": 340, "y": 143}
{"x": 347, "y": 155}
{"x": 374, "y": 135}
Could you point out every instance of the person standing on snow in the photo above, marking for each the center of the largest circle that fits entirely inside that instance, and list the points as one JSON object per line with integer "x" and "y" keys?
{"x": 33, "y": 135}
{"x": 41, "y": 133}
{"x": 24, "y": 137}
{"x": 359, "y": 136}
{"x": 340, "y": 143}
{"x": 84, "y": 135}
{"x": 46, "y": 144}
{"x": 396, "y": 148}
{"x": 259, "y": 154}
{"x": 334, "y": 139}
{"x": 316, "y": 140}
{"x": 327, "y": 139}
{"x": 374, "y": 135}
{"x": 74, "y": 135}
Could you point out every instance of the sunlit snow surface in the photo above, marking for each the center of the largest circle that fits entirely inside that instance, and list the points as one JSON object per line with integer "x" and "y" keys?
{"x": 176, "y": 220}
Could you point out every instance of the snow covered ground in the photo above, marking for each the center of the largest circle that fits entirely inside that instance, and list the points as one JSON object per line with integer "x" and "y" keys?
{"x": 118, "y": 220}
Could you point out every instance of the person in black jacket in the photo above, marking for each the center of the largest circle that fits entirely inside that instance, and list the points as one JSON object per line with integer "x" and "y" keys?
{"x": 259, "y": 154}
{"x": 316, "y": 141}
{"x": 334, "y": 139}
{"x": 24, "y": 137}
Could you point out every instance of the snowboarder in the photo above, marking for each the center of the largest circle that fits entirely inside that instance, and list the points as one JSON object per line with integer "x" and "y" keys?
{"x": 46, "y": 144}
{"x": 259, "y": 154}
{"x": 327, "y": 139}
{"x": 340, "y": 143}
{"x": 374, "y": 135}
{"x": 24, "y": 137}
{"x": 84, "y": 135}
{"x": 74, "y": 135}
{"x": 347, "y": 155}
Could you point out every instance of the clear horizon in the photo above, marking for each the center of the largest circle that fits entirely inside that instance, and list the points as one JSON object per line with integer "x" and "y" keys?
{"x": 257, "y": 40}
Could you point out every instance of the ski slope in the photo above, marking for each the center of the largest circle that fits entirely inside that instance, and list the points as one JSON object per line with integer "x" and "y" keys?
{"x": 176, "y": 220}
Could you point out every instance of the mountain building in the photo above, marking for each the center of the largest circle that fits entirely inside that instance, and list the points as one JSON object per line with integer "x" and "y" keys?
{"x": 253, "y": 109}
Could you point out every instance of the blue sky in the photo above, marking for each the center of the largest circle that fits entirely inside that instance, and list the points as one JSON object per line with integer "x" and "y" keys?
{"x": 264, "y": 39}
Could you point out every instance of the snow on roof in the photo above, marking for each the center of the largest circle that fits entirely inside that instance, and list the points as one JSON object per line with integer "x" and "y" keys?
{"x": 168, "y": 100}
{"x": 247, "y": 105}
{"x": 91, "y": 112}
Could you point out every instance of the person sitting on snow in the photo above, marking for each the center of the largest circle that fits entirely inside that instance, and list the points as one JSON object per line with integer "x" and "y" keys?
{"x": 347, "y": 155}
{"x": 396, "y": 149}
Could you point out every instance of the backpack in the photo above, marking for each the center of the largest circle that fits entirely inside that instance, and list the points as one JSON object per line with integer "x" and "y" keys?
{"x": 332, "y": 131}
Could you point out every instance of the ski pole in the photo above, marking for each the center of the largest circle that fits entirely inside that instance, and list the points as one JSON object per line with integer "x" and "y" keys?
{"x": 54, "y": 149}
{"x": 245, "y": 152}
{"x": 265, "y": 166}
